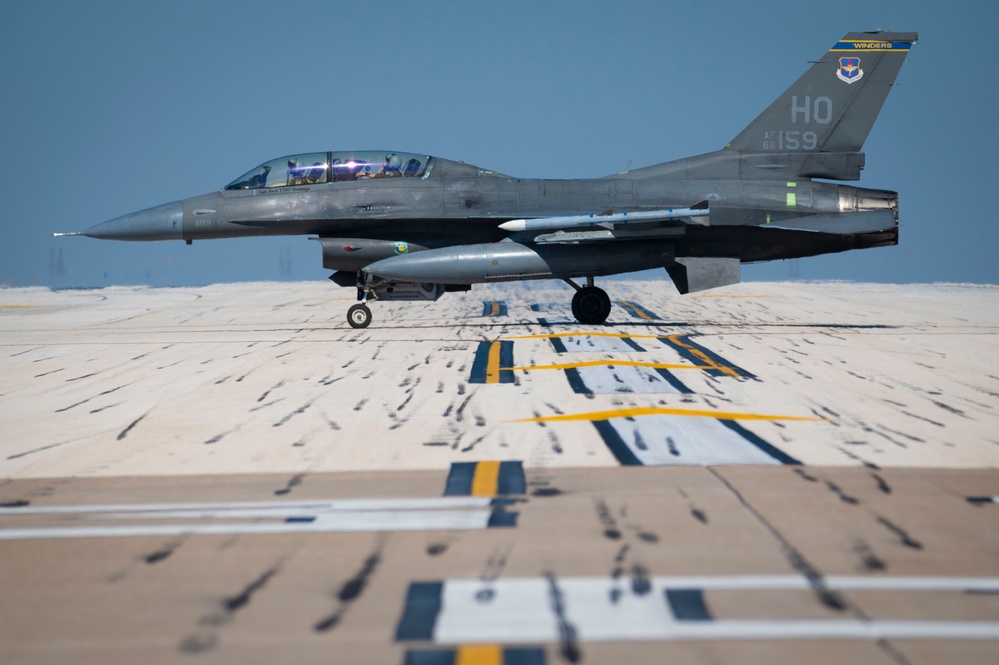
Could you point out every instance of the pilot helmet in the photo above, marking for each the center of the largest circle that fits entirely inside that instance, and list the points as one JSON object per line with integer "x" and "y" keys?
{"x": 393, "y": 160}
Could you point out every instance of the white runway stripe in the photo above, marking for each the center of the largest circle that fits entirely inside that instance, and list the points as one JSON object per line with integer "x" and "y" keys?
{"x": 601, "y": 609}
{"x": 666, "y": 440}
{"x": 429, "y": 513}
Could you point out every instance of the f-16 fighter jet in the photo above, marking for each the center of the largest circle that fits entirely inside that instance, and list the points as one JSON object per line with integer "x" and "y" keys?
{"x": 409, "y": 226}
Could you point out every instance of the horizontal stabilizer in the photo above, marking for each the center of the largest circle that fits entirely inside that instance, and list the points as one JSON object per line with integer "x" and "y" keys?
{"x": 867, "y": 221}
{"x": 692, "y": 274}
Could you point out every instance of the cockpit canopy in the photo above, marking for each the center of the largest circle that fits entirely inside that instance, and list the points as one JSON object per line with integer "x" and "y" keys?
{"x": 315, "y": 168}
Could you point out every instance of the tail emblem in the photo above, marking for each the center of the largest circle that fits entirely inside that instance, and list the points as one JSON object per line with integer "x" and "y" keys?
{"x": 849, "y": 70}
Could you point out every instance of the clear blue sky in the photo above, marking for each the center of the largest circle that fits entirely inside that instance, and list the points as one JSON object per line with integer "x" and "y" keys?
{"x": 112, "y": 106}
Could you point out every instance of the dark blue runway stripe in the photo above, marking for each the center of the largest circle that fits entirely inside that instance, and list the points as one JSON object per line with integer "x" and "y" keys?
{"x": 616, "y": 444}
{"x": 510, "y": 656}
{"x": 481, "y": 368}
{"x": 459, "y": 479}
{"x": 494, "y": 308}
{"x": 688, "y": 604}
{"x": 691, "y": 351}
{"x": 419, "y": 616}
{"x": 502, "y": 519}
{"x": 511, "y": 478}
{"x": 637, "y": 310}
{"x": 760, "y": 443}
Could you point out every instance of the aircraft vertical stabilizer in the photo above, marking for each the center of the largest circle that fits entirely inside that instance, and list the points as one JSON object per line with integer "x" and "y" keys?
{"x": 833, "y": 106}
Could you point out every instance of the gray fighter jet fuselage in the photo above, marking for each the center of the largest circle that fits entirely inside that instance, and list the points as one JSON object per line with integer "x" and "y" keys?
{"x": 403, "y": 226}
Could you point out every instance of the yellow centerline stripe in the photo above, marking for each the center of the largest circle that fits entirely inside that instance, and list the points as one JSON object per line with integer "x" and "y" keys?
{"x": 485, "y": 481}
{"x": 479, "y": 654}
{"x": 675, "y": 339}
{"x": 492, "y": 363}
{"x": 602, "y": 363}
{"x": 747, "y": 297}
{"x": 635, "y": 412}
{"x": 585, "y": 334}
{"x": 495, "y": 309}
{"x": 632, "y": 307}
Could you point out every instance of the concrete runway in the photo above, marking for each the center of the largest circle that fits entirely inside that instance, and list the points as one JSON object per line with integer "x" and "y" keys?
{"x": 771, "y": 472}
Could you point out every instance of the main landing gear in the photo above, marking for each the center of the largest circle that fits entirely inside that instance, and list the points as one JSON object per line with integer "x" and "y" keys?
{"x": 590, "y": 305}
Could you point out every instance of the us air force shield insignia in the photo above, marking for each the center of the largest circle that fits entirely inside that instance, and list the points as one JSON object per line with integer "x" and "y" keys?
{"x": 849, "y": 70}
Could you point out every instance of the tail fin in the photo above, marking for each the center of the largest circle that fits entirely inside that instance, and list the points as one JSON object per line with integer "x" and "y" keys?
{"x": 833, "y": 106}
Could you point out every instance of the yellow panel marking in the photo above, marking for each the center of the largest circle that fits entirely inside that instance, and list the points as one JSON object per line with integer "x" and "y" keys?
{"x": 486, "y": 479}
{"x": 792, "y": 184}
{"x": 631, "y": 307}
{"x": 495, "y": 309}
{"x": 16, "y": 306}
{"x": 492, "y": 363}
{"x": 611, "y": 362}
{"x": 675, "y": 339}
{"x": 664, "y": 411}
{"x": 479, "y": 654}
{"x": 792, "y": 199}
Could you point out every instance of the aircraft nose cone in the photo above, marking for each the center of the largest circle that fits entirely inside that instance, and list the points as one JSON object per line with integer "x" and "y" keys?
{"x": 160, "y": 223}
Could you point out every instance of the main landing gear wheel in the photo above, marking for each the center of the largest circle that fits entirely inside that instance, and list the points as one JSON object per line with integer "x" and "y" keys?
{"x": 591, "y": 305}
{"x": 359, "y": 316}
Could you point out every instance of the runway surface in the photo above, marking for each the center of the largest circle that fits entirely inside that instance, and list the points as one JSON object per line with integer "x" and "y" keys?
{"x": 771, "y": 472}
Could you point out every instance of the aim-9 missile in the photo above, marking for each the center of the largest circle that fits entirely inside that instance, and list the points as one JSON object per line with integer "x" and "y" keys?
{"x": 581, "y": 221}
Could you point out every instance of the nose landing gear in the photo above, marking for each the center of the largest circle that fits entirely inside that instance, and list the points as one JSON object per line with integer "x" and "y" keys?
{"x": 359, "y": 316}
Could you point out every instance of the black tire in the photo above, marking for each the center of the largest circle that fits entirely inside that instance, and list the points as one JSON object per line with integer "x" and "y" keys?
{"x": 359, "y": 316}
{"x": 591, "y": 305}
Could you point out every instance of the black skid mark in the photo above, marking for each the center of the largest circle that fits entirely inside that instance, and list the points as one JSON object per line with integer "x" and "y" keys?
{"x": 125, "y": 432}
{"x": 161, "y": 554}
{"x": 611, "y": 530}
{"x": 843, "y": 496}
{"x": 207, "y": 639}
{"x": 299, "y": 410}
{"x": 868, "y": 559}
{"x": 568, "y": 641}
{"x": 294, "y": 482}
{"x": 828, "y": 597}
{"x": 235, "y": 603}
{"x": 350, "y": 591}
{"x": 902, "y": 534}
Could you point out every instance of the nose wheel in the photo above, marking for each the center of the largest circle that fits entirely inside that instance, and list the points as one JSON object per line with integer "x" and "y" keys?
{"x": 359, "y": 316}
{"x": 591, "y": 305}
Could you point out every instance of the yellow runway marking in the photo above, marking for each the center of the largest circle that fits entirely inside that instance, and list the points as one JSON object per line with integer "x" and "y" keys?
{"x": 485, "y": 482}
{"x": 664, "y": 411}
{"x": 604, "y": 363}
{"x": 631, "y": 307}
{"x": 585, "y": 334}
{"x": 492, "y": 363}
{"x": 675, "y": 339}
{"x": 479, "y": 654}
{"x": 736, "y": 297}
